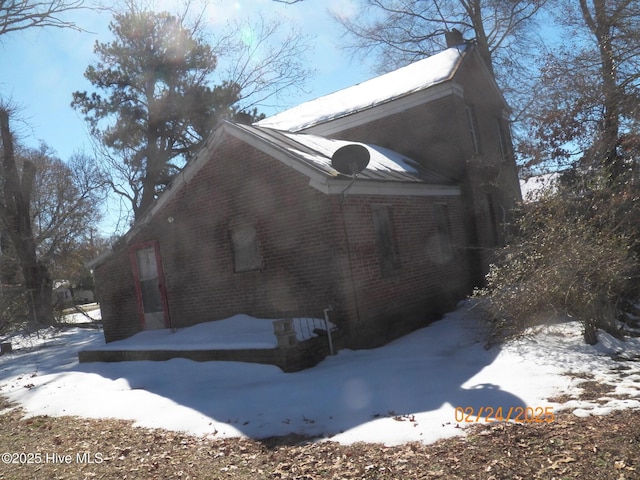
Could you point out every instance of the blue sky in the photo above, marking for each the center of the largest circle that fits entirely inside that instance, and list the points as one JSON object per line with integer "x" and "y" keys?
{"x": 40, "y": 68}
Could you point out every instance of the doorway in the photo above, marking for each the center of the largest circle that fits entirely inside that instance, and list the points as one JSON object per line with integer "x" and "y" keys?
{"x": 150, "y": 288}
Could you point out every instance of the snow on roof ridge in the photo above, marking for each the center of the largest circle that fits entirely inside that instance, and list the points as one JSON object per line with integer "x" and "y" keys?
{"x": 411, "y": 78}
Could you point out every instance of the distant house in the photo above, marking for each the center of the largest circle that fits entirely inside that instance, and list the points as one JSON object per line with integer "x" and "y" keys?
{"x": 62, "y": 293}
{"x": 262, "y": 222}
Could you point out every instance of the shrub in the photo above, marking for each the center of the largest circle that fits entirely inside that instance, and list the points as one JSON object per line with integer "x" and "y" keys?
{"x": 574, "y": 252}
{"x": 14, "y": 310}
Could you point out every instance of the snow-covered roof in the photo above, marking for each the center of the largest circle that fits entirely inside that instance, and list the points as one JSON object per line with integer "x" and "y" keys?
{"x": 398, "y": 83}
{"x": 382, "y": 159}
{"x": 316, "y": 152}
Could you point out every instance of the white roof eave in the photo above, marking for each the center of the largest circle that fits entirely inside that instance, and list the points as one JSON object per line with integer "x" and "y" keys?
{"x": 339, "y": 186}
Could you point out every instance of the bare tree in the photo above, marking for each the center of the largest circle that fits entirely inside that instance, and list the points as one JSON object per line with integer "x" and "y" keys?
{"x": 15, "y": 213}
{"x": 264, "y": 58}
{"x": 22, "y": 14}
{"x": 402, "y": 31}
{"x": 398, "y": 32}
{"x": 65, "y": 205}
{"x": 47, "y": 208}
{"x": 592, "y": 85}
{"x": 18, "y": 174}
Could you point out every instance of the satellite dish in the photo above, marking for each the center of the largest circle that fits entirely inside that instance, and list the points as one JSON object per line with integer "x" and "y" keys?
{"x": 350, "y": 159}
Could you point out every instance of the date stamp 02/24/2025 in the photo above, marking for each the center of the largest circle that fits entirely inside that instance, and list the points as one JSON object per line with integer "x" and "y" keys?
{"x": 504, "y": 414}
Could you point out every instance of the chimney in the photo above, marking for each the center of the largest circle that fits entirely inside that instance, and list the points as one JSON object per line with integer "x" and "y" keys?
{"x": 454, "y": 38}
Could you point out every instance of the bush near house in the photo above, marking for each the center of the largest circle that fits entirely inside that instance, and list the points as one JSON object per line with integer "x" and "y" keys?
{"x": 574, "y": 252}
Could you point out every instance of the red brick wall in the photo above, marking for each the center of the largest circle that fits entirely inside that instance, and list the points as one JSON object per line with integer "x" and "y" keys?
{"x": 425, "y": 283}
{"x": 308, "y": 261}
{"x": 431, "y": 134}
{"x": 437, "y": 135}
{"x": 116, "y": 293}
{"x": 242, "y": 185}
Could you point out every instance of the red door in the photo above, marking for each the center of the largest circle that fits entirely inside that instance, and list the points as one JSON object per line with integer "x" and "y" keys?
{"x": 150, "y": 288}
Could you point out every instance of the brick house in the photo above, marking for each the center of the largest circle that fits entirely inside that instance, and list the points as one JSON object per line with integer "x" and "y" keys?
{"x": 260, "y": 222}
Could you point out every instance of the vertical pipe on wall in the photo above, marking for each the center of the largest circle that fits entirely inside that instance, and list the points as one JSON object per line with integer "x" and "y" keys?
{"x": 350, "y": 260}
{"x": 328, "y": 328}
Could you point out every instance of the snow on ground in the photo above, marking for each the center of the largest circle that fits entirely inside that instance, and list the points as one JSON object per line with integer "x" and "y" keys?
{"x": 91, "y": 313}
{"x": 407, "y": 390}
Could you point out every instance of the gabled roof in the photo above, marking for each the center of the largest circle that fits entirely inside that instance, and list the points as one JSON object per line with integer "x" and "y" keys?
{"x": 413, "y": 78}
{"x": 388, "y": 172}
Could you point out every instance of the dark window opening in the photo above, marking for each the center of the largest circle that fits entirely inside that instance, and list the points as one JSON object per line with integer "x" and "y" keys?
{"x": 443, "y": 226}
{"x": 383, "y": 229}
{"x": 493, "y": 220}
{"x": 505, "y": 139}
{"x": 472, "y": 123}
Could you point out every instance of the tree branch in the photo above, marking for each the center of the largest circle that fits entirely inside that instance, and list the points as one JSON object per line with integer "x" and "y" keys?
{"x": 23, "y": 14}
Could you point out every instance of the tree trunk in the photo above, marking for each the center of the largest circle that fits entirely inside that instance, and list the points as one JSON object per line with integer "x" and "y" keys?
{"x": 15, "y": 213}
{"x": 156, "y": 162}
{"x": 148, "y": 194}
{"x": 474, "y": 10}
{"x": 40, "y": 292}
{"x": 601, "y": 26}
{"x": 156, "y": 156}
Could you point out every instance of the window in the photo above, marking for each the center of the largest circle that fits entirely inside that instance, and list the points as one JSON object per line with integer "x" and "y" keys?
{"x": 493, "y": 221}
{"x": 383, "y": 229}
{"x": 504, "y": 137}
{"x": 472, "y": 123}
{"x": 245, "y": 249}
{"x": 443, "y": 226}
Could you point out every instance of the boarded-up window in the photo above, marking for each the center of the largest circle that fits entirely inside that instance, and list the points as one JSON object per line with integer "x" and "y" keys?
{"x": 443, "y": 226}
{"x": 383, "y": 228}
{"x": 246, "y": 256}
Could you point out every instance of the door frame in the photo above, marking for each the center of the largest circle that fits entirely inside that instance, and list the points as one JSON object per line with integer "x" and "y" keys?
{"x": 161, "y": 285}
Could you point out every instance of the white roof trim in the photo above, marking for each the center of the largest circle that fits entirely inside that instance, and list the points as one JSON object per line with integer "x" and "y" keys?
{"x": 337, "y": 187}
{"x": 414, "y": 77}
